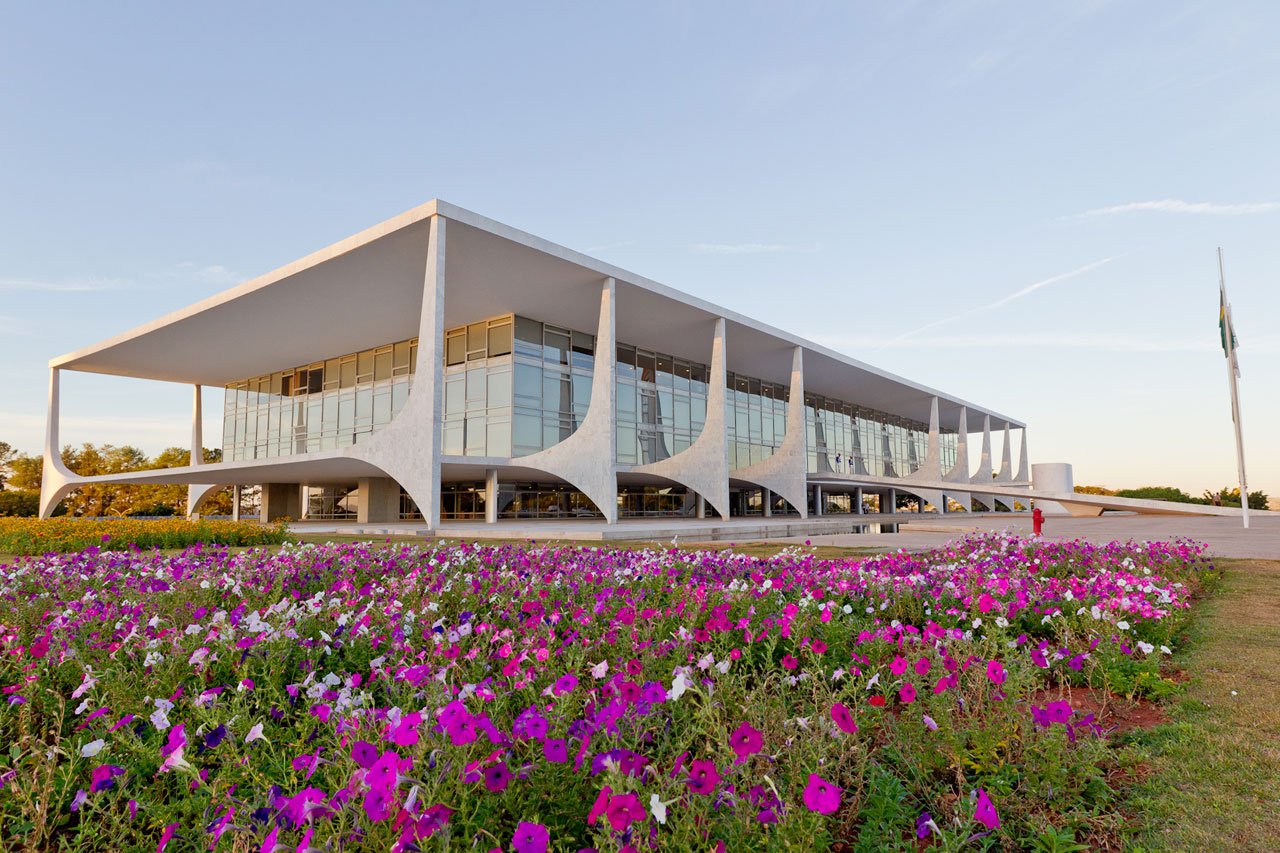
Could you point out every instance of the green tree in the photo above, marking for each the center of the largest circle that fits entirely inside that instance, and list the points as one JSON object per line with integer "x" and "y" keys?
{"x": 7, "y": 454}
{"x": 25, "y": 473}
{"x": 1228, "y": 496}
{"x": 1158, "y": 493}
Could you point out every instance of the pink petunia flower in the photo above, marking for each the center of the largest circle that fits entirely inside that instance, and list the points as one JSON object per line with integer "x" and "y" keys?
{"x": 821, "y": 796}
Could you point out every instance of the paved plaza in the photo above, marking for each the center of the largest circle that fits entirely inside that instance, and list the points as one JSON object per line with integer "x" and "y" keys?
{"x": 1225, "y": 536}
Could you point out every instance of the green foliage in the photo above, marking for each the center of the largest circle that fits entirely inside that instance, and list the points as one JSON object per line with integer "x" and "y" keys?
{"x": 1228, "y": 496}
{"x": 43, "y": 536}
{"x": 1158, "y": 493}
{"x": 15, "y": 504}
{"x": 1094, "y": 490}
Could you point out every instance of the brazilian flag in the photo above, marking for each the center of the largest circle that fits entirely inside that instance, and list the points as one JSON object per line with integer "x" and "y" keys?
{"x": 1225, "y": 328}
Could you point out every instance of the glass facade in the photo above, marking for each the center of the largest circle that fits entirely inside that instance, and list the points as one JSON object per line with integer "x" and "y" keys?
{"x": 320, "y": 406}
{"x": 848, "y": 439}
{"x": 756, "y": 419}
{"x": 514, "y": 386}
{"x": 661, "y": 404}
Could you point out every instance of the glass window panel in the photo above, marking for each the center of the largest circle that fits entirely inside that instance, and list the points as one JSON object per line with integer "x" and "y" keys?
{"x": 498, "y": 438}
{"x": 451, "y": 438}
{"x": 584, "y": 343}
{"x": 400, "y": 358}
{"x": 399, "y": 395}
{"x": 528, "y": 385}
{"x": 477, "y": 340}
{"x": 455, "y": 391}
{"x": 682, "y": 413}
{"x": 475, "y": 388}
{"x": 499, "y": 390}
{"x": 526, "y": 433}
{"x": 626, "y": 361}
{"x": 348, "y": 373}
{"x": 581, "y": 391}
{"x": 555, "y": 346}
{"x": 382, "y": 365}
{"x": 500, "y": 340}
{"x": 346, "y": 414}
{"x": 364, "y": 406}
{"x": 331, "y": 373}
{"x": 475, "y": 435}
{"x": 626, "y": 401}
{"x": 364, "y": 366}
{"x": 413, "y": 357}
{"x": 528, "y": 337}
{"x": 646, "y": 366}
{"x": 382, "y": 408}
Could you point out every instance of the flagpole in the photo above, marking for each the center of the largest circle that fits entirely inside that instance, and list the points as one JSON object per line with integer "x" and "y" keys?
{"x": 1230, "y": 345}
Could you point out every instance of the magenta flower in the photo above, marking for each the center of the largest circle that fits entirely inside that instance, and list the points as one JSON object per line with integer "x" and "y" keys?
{"x": 995, "y": 672}
{"x": 623, "y": 810}
{"x": 565, "y": 684}
{"x": 555, "y": 751}
{"x": 789, "y": 662}
{"x": 985, "y": 811}
{"x": 746, "y": 741}
{"x": 530, "y": 838}
{"x": 899, "y": 665}
{"x": 406, "y": 731}
{"x": 103, "y": 777}
{"x": 600, "y": 806}
{"x": 843, "y": 718}
{"x": 922, "y": 666}
{"x": 364, "y": 754}
{"x": 821, "y": 796}
{"x": 703, "y": 777}
{"x": 169, "y": 832}
{"x": 907, "y": 693}
{"x": 497, "y": 777}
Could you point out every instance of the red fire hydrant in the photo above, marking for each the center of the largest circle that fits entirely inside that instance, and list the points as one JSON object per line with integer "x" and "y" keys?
{"x": 1037, "y": 521}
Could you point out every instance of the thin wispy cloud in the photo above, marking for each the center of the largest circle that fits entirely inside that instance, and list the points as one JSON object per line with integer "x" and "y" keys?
{"x": 212, "y": 273}
{"x": 1176, "y": 205}
{"x": 999, "y": 303}
{"x": 740, "y": 248}
{"x": 74, "y": 285}
{"x": 11, "y": 326}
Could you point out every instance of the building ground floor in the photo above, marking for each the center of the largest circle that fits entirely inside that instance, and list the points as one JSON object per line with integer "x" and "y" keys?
{"x": 495, "y": 495}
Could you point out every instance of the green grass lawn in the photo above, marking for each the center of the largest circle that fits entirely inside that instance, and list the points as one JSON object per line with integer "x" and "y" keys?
{"x": 1214, "y": 781}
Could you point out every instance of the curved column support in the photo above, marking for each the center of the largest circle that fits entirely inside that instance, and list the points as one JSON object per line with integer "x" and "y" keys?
{"x": 56, "y": 480}
{"x": 959, "y": 472}
{"x": 587, "y": 458}
{"x": 786, "y": 471}
{"x": 408, "y": 448}
{"x": 931, "y": 468}
{"x": 197, "y": 495}
{"x": 1024, "y": 462}
{"x": 704, "y": 465}
{"x": 982, "y": 479}
{"x": 1006, "y": 461}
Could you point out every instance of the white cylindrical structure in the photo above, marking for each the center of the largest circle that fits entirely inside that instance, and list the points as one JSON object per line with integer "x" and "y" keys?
{"x": 1052, "y": 477}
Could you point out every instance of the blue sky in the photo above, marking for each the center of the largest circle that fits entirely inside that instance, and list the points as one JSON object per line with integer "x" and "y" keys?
{"x": 1018, "y": 203}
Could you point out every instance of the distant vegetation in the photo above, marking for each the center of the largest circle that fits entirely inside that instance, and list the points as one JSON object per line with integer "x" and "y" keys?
{"x": 20, "y": 477}
{"x": 1223, "y": 497}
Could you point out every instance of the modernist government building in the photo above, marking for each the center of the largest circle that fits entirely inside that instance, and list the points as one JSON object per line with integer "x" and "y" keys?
{"x": 442, "y": 366}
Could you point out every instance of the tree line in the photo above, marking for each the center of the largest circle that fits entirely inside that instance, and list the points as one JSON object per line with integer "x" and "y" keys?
{"x": 21, "y": 475}
{"x": 1225, "y": 496}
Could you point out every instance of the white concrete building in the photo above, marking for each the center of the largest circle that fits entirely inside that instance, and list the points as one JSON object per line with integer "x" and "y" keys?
{"x": 442, "y": 366}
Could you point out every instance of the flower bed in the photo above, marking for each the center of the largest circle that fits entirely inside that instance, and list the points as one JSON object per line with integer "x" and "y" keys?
{"x": 59, "y": 535}
{"x": 350, "y": 696}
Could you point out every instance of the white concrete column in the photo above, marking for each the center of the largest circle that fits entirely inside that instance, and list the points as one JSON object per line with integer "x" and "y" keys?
{"x": 587, "y": 459}
{"x": 857, "y": 501}
{"x": 491, "y": 496}
{"x": 893, "y": 502}
{"x": 197, "y": 430}
{"x": 197, "y": 492}
{"x": 700, "y": 506}
{"x": 817, "y": 499}
{"x": 56, "y": 480}
{"x": 704, "y": 465}
{"x": 786, "y": 471}
{"x": 1024, "y": 462}
{"x": 766, "y": 503}
{"x": 235, "y": 502}
{"x": 408, "y": 448}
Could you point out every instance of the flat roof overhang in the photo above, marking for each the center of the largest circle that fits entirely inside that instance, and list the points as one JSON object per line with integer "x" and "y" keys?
{"x": 366, "y": 290}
